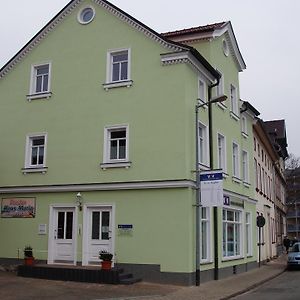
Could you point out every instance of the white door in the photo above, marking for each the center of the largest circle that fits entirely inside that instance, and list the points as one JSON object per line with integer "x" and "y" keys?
{"x": 97, "y": 232}
{"x": 62, "y": 244}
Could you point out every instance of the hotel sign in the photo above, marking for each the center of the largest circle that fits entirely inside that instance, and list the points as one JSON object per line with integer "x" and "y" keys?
{"x": 18, "y": 208}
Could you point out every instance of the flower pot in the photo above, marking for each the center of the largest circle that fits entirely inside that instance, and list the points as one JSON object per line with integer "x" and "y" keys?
{"x": 29, "y": 261}
{"x": 106, "y": 265}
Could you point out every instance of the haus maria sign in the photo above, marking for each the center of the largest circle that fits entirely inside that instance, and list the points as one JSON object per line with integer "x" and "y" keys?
{"x": 18, "y": 208}
{"x": 211, "y": 187}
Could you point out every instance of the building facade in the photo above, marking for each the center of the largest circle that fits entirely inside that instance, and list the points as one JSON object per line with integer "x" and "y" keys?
{"x": 98, "y": 118}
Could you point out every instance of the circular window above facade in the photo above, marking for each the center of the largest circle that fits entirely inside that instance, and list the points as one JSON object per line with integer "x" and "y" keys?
{"x": 225, "y": 48}
{"x": 86, "y": 15}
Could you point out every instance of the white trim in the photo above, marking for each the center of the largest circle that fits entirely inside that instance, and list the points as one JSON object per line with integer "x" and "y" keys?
{"x": 205, "y": 138}
{"x": 79, "y": 15}
{"x": 116, "y": 84}
{"x": 52, "y": 207}
{"x": 235, "y": 172}
{"x": 105, "y": 166}
{"x": 27, "y": 165}
{"x": 106, "y": 146}
{"x": 202, "y": 90}
{"x": 224, "y": 170}
{"x": 246, "y": 176}
{"x": 234, "y": 103}
{"x": 101, "y": 187}
{"x": 209, "y": 241}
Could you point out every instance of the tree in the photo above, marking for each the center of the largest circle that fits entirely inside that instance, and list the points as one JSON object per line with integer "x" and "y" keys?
{"x": 292, "y": 162}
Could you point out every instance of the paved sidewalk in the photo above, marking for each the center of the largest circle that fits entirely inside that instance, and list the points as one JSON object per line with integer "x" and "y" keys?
{"x": 231, "y": 286}
{"x": 13, "y": 287}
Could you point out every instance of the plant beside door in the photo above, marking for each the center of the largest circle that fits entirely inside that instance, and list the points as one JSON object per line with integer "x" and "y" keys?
{"x": 106, "y": 259}
{"x": 28, "y": 256}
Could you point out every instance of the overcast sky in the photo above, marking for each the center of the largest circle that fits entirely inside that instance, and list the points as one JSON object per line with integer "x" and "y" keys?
{"x": 266, "y": 31}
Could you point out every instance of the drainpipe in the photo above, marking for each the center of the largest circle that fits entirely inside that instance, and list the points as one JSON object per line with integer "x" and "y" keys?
{"x": 211, "y": 163}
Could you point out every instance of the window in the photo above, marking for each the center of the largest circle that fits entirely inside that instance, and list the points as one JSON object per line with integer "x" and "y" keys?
{"x": 248, "y": 234}
{"x": 220, "y": 88}
{"x": 203, "y": 144}
{"x": 232, "y": 240}
{"x": 115, "y": 147}
{"x": 86, "y": 15}
{"x": 202, "y": 91}
{"x": 221, "y": 152}
{"x": 40, "y": 81}
{"x": 118, "y": 68}
{"x": 256, "y": 173}
{"x": 205, "y": 234}
{"x": 245, "y": 166}
{"x": 254, "y": 142}
{"x": 235, "y": 160}
{"x": 234, "y": 100}
{"x": 35, "y": 155}
{"x": 244, "y": 126}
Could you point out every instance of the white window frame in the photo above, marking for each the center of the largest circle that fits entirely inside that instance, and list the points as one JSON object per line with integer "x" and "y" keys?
{"x": 202, "y": 91}
{"x": 245, "y": 167}
{"x": 28, "y": 167}
{"x": 222, "y": 162}
{"x": 33, "y": 77}
{"x": 248, "y": 234}
{"x": 244, "y": 126}
{"x": 220, "y": 91}
{"x": 203, "y": 144}
{"x": 109, "y": 69}
{"x": 237, "y": 228}
{"x": 107, "y": 161}
{"x": 205, "y": 243}
{"x": 234, "y": 106}
{"x": 235, "y": 160}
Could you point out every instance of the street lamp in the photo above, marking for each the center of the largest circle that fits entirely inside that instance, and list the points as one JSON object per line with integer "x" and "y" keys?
{"x": 198, "y": 192}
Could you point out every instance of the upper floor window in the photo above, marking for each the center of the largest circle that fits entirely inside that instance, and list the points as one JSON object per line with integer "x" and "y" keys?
{"x": 116, "y": 147}
{"x": 203, "y": 144}
{"x": 202, "y": 91}
{"x": 244, "y": 126}
{"x": 245, "y": 166}
{"x": 234, "y": 100}
{"x": 35, "y": 155}
{"x": 235, "y": 160}
{"x": 40, "y": 81}
{"x": 118, "y": 68}
{"x": 221, "y": 152}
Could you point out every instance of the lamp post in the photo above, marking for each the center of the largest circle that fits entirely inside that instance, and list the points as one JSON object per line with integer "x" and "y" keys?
{"x": 198, "y": 192}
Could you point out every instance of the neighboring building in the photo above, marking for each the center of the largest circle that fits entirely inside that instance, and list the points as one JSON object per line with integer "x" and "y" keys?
{"x": 277, "y": 133}
{"x": 98, "y": 146}
{"x": 293, "y": 203}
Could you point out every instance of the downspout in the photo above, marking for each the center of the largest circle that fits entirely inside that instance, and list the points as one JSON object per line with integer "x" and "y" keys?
{"x": 211, "y": 163}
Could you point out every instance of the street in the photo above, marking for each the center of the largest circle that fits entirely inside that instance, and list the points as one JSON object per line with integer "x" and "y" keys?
{"x": 286, "y": 286}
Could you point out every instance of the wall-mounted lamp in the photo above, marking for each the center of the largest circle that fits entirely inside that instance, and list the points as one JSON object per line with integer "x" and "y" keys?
{"x": 79, "y": 201}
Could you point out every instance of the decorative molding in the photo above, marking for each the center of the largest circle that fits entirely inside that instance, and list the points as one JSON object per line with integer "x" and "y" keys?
{"x": 140, "y": 185}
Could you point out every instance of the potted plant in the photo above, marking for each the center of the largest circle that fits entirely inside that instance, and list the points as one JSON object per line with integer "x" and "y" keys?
{"x": 106, "y": 259}
{"x": 28, "y": 256}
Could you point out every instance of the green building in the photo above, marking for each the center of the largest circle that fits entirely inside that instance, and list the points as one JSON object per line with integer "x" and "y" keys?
{"x": 98, "y": 147}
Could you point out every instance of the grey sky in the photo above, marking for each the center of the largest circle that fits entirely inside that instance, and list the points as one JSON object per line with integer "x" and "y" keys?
{"x": 266, "y": 31}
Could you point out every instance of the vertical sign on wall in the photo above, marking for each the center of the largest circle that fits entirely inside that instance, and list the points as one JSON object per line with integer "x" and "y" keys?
{"x": 211, "y": 185}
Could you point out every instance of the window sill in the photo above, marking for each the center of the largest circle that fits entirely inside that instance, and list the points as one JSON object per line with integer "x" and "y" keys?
{"x": 42, "y": 170}
{"x": 236, "y": 179}
{"x": 222, "y": 106}
{"x": 105, "y": 166}
{"x": 225, "y": 175}
{"x": 246, "y": 184}
{"x": 116, "y": 84}
{"x": 232, "y": 258}
{"x": 45, "y": 95}
{"x": 205, "y": 262}
{"x": 234, "y": 116}
{"x": 202, "y": 104}
{"x": 245, "y": 135}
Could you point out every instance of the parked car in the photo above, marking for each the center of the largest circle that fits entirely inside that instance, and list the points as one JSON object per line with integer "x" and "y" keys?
{"x": 294, "y": 256}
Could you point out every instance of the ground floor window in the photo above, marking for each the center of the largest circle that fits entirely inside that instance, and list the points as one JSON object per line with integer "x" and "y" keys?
{"x": 232, "y": 240}
{"x": 248, "y": 234}
{"x": 205, "y": 234}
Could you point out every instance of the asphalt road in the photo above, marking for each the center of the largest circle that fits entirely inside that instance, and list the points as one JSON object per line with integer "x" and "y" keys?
{"x": 284, "y": 287}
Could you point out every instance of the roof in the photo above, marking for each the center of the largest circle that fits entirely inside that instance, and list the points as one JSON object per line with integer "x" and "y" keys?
{"x": 117, "y": 12}
{"x": 210, "y": 31}
{"x": 277, "y": 132}
{"x": 248, "y": 106}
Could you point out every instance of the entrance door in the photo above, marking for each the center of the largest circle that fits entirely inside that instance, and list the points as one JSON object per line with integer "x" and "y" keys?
{"x": 98, "y": 233}
{"x": 62, "y": 230}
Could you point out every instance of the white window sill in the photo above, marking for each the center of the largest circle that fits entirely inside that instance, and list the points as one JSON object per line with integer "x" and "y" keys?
{"x": 225, "y": 175}
{"x": 202, "y": 104}
{"x": 45, "y": 95}
{"x": 232, "y": 258}
{"x": 236, "y": 179}
{"x": 246, "y": 184}
{"x": 203, "y": 166}
{"x": 245, "y": 135}
{"x": 42, "y": 170}
{"x": 110, "y": 165}
{"x": 205, "y": 261}
{"x": 234, "y": 116}
{"x": 116, "y": 84}
{"x": 221, "y": 105}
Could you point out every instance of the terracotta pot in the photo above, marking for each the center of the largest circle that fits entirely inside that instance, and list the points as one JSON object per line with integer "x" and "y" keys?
{"x": 106, "y": 265}
{"x": 29, "y": 261}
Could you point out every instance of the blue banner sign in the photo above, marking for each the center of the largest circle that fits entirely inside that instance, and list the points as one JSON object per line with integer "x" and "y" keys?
{"x": 125, "y": 226}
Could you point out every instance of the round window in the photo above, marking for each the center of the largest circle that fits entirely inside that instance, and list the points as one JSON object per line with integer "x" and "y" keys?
{"x": 225, "y": 48}
{"x": 86, "y": 15}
